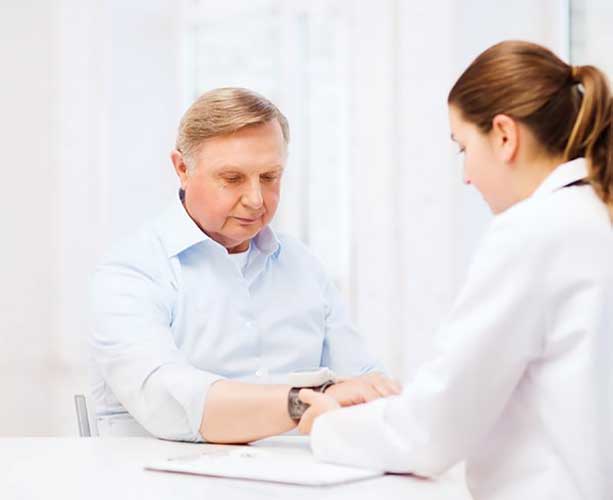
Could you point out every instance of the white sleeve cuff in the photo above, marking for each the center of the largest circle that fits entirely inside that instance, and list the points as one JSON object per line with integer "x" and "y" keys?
{"x": 181, "y": 391}
{"x": 349, "y": 435}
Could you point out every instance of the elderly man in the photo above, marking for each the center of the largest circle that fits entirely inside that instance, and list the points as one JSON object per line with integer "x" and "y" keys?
{"x": 200, "y": 316}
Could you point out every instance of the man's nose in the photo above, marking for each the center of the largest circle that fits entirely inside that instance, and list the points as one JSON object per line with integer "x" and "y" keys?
{"x": 252, "y": 197}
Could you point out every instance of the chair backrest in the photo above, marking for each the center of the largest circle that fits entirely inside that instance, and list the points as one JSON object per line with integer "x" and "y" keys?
{"x": 82, "y": 415}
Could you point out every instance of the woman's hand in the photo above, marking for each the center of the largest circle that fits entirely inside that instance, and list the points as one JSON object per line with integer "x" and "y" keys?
{"x": 319, "y": 404}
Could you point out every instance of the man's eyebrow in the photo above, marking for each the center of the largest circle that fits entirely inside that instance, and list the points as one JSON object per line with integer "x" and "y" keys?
{"x": 234, "y": 169}
{"x": 223, "y": 168}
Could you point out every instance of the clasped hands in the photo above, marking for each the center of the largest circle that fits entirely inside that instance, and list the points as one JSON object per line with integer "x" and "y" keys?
{"x": 346, "y": 392}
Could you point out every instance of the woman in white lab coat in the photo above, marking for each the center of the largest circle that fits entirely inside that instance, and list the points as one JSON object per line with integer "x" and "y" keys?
{"x": 521, "y": 387}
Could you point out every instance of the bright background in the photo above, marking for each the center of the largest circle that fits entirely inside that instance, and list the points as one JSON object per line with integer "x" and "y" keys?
{"x": 91, "y": 94}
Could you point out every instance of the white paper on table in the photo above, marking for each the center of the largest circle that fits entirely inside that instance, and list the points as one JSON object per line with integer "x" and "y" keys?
{"x": 245, "y": 462}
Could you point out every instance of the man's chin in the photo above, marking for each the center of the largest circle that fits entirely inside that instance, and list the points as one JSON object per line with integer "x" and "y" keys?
{"x": 246, "y": 234}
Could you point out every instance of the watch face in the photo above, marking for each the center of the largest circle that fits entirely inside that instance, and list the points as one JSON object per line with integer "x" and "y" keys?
{"x": 295, "y": 407}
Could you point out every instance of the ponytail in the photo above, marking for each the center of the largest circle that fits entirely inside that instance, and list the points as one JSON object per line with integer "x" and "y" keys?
{"x": 592, "y": 132}
{"x": 568, "y": 108}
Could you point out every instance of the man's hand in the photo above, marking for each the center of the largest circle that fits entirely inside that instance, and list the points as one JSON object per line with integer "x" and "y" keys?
{"x": 345, "y": 393}
{"x": 363, "y": 389}
{"x": 319, "y": 404}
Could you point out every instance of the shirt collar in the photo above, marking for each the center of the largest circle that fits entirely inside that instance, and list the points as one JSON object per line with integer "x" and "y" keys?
{"x": 563, "y": 175}
{"x": 179, "y": 232}
{"x": 267, "y": 242}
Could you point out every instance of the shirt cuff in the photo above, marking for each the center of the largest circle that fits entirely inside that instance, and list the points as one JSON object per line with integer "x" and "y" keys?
{"x": 189, "y": 387}
{"x": 349, "y": 435}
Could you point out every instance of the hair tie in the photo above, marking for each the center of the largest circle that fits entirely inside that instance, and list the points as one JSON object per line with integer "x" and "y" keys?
{"x": 574, "y": 70}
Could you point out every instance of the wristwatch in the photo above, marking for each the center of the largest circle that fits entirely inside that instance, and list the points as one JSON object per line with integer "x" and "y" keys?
{"x": 317, "y": 380}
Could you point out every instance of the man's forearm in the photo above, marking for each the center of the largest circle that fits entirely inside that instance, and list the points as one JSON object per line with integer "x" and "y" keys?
{"x": 237, "y": 412}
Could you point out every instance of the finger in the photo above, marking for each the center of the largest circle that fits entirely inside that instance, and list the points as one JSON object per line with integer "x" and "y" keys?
{"x": 384, "y": 390}
{"x": 397, "y": 386}
{"x": 388, "y": 388}
{"x": 307, "y": 396}
{"x": 387, "y": 385}
{"x": 362, "y": 393}
{"x": 370, "y": 394}
{"x": 357, "y": 399}
{"x": 311, "y": 397}
{"x": 306, "y": 422}
{"x": 377, "y": 377}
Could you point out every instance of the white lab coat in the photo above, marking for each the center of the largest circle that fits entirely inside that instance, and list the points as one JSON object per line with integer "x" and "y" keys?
{"x": 522, "y": 383}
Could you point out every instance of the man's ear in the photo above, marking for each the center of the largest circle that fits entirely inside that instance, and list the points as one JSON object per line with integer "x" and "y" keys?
{"x": 505, "y": 137}
{"x": 180, "y": 166}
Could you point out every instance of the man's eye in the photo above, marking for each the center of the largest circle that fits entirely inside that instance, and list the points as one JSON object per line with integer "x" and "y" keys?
{"x": 232, "y": 180}
{"x": 269, "y": 178}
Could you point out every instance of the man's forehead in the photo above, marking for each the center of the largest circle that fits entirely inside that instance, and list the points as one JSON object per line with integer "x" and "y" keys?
{"x": 247, "y": 150}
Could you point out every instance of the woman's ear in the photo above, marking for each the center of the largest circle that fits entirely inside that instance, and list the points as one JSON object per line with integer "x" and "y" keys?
{"x": 505, "y": 137}
{"x": 180, "y": 166}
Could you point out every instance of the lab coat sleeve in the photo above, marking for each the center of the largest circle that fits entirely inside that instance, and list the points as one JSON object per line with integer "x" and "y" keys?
{"x": 133, "y": 346}
{"x": 344, "y": 350}
{"x": 492, "y": 333}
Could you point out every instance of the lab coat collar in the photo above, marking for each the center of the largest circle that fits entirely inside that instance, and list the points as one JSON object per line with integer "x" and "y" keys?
{"x": 179, "y": 232}
{"x": 563, "y": 175}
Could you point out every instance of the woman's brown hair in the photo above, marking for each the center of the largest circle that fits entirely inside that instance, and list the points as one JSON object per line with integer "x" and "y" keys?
{"x": 569, "y": 109}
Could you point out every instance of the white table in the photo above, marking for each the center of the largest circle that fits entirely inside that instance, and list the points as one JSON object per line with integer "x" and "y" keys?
{"x": 112, "y": 469}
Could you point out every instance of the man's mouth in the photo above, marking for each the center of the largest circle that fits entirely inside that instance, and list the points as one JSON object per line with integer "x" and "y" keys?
{"x": 248, "y": 220}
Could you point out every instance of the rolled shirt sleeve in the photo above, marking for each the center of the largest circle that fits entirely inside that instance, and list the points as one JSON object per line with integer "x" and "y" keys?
{"x": 133, "y": 347}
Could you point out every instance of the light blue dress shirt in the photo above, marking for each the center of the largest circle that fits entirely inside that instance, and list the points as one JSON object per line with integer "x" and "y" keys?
{"x": 173, "y": 313}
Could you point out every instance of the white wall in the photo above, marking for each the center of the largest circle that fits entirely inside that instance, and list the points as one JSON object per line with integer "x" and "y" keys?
{"x": 29, "y": 212}
{"x": 119, "y": 107}
{"x": 91, "y": 95}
